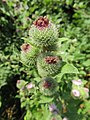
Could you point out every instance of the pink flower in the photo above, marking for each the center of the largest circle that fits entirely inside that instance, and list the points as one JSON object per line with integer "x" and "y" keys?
{"x": 25, "y": 47}
{"x": 65, "y": 118}
{"x": 18, "y": 81}
{"x": 87, "y": 91}
{"x": 30, "y": 85}
{"x": 77, "y": 82}
{"x": 76, "y": 93}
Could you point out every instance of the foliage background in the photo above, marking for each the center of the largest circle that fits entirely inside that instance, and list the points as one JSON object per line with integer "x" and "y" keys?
{"x": 72, "y": 18}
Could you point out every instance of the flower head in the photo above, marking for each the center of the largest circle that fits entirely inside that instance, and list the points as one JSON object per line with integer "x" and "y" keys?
{"x": 75, "y": 93}
{"x": 77, "y": 82}
{"x": 41, "y": 22}
{"x": 25, "y": 47}
{"x": 48, "y": 86}
{"x": 29, "y": 86}
{"x": 65, "y": 118}
{"x": 51, "y": 59}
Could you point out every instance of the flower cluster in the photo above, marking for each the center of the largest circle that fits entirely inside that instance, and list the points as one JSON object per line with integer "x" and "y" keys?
{"x": 78, "y": 90}
{"x": 42, "y": 33}
{"x": 23, "y": 84}
{"x": 40, "y": 52}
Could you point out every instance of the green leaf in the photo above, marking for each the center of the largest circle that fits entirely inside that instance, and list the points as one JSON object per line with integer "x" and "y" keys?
{"x": 28, "y": 115}
{"x": 46, "y": 112}
{"x": 86, "y": 63}
{"x": 69, "y": 2}
{"x": 69, "y": 68}
{"x": 45, "y": 99}
{"x": 60, "y": 40}
{"x": 63, "y": 39}
{"x": 26, "y": 40}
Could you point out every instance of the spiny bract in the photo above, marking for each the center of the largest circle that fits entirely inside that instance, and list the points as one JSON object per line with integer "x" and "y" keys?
{"x": 48, "y": 86}
{"x": 48, "y": 64}
{"x": 43, "y": 33}
{"x": 28, "y": 54}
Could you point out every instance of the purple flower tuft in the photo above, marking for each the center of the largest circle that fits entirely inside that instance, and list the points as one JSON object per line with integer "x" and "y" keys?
{"x": 51, "y": 59}
{"x": 53, "y": 108}
{"x": 41, "y": 22}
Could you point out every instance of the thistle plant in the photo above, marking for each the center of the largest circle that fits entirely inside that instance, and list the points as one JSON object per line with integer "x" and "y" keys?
{"x": 43, "y": 33}
{"x": 45, "y": 88}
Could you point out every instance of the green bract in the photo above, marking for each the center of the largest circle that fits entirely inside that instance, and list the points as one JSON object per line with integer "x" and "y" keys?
{"x": 27, "y": 60}
{"x": 48, "y": 86}
{"x": 43, "y": 37}
{"x": 28, "y": 55}
{"x": 48, "y": 64}
{"x": 20, "y": 84}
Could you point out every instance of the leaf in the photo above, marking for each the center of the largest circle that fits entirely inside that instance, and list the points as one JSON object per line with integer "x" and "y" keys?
{"x": 69, "y": 2}
{"x": 46, "y": 112}
{"x": 63, "y": 46}
{"x": 27, "y": 40}
{"x": 28, "y": 115}
{"x": 59, "y": 76}
{"x": 63, "y": 39}
{"x": 69, "y": 68}
{"x": 37, "y": 79}
{"x": 45, "y": 99}
{"x": 86, "y": 63}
